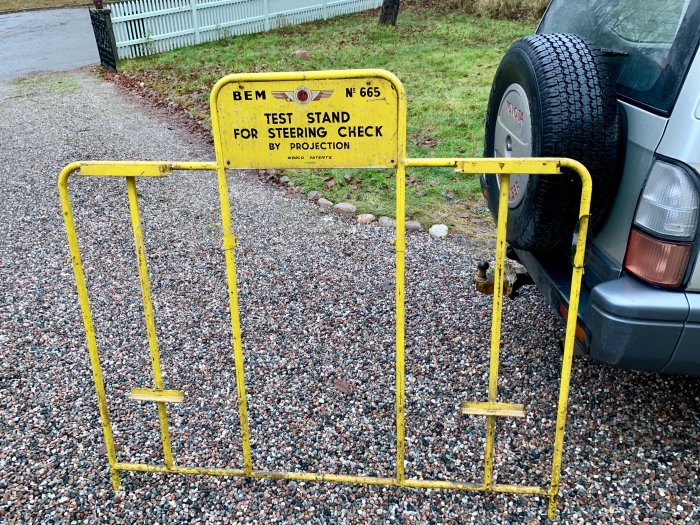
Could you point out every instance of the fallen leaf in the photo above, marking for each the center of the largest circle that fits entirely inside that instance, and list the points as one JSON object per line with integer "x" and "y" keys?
{"x": 102, "y": 449}
{"x": 302, "y": 54}
{"x": 342, "y": 386}
{"x": 427, "y": 143}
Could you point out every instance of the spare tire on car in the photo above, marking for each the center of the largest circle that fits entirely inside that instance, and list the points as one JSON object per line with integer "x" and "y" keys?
{"x": 552, "y": 96}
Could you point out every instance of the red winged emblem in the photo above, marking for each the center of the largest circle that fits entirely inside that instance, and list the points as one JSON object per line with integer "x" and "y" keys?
{"x": 302, "y": 95}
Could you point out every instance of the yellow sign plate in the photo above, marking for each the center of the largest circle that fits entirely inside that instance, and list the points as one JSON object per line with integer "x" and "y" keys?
{"x": 307, "y": 123}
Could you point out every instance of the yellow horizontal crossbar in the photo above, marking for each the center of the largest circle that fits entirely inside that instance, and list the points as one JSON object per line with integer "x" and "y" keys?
{"x": 493, "y": 409}
{"x": 137, "y": 168}
{"x": 541, "y": 166}
{"x": 336, "y": 478}
{"x": 538, "y": 167}
{"x": 125, "y": 169}
{"x": 157, "y": 395}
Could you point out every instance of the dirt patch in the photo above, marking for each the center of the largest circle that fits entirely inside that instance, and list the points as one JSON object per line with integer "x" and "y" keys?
{"x": 153, "y": 102}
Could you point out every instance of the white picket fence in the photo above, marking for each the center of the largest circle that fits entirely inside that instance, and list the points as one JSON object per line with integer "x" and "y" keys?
{"x": 146, "y": 27}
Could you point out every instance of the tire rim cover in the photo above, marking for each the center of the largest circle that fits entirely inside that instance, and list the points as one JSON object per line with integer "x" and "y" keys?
{"x": 513, "y": 137}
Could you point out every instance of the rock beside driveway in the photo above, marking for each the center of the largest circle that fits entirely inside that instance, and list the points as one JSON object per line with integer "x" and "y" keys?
{"x": 413, "y": 226}
{"x": 324, "y": 203}
{"x": 438, "y": 231}
{"x": 366, "y": 218}
{"x": 345, "y": 209}
{"x": 386, "y": 222}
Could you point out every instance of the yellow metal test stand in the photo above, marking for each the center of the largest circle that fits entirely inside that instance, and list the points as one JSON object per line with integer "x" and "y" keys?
{"x": 363, "y": 113}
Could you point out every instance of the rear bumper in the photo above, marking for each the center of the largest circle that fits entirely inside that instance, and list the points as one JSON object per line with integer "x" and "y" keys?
{"x": 629, "y": 324}
{"x": 635, "y": 326}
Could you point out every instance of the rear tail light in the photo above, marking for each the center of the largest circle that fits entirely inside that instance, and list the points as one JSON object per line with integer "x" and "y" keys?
{"x": 669, "y": 202}
{"x": 665, "y": 224}
{"x": 658, "y": 262}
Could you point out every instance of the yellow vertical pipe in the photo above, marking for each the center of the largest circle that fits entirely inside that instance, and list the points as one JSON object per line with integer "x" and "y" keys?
{"x": 496, "y": 325}
{"x": 140, "y": 249}
{"x": 87, "y": 320}
{"x": 572, "y": 317}
{"x": 229, "y": 245}
{"x": 400, "y": 282}
{"x": 400, "y": 328}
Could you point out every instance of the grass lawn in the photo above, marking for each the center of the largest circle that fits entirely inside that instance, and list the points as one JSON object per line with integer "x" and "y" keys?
{"x": 445, "y": 60}
{"x": 17, "y": 5}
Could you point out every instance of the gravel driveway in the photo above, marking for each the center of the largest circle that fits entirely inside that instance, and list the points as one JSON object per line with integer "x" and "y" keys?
{"x": 316, "y": 298}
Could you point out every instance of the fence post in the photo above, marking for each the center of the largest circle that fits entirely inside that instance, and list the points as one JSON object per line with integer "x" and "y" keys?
{"x": 195, "y": 21}
{"x": 325, "y": 10}
{"x": 104, "y": 37}
{"x": 266, "y": 9}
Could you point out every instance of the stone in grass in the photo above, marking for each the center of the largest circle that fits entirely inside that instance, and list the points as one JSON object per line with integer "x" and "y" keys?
{"x": 366, "y": 218}
{"x": 438, "y": 231}
{"x": 284, "y": 180}
{"x": 386, "y": 222}
{"x": 413, "y": 226}
{"x": 324, "y": 203}
{"x": 313, "y": 195}
{"x": 345, "y": 209}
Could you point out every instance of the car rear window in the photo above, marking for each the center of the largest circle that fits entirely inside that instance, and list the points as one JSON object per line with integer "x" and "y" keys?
{"x": 648, "y": 44}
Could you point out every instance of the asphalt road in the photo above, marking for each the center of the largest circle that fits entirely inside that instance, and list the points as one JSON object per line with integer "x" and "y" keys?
{"x": 50, "y": 40}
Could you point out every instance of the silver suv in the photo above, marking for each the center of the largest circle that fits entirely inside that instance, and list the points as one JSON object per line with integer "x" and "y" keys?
{"x": 614, "y": 84}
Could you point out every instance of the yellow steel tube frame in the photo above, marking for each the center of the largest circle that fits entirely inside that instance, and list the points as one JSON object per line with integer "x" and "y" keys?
{"x": 492, "y": 408}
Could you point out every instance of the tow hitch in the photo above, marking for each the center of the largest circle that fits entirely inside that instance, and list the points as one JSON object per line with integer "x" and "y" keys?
{"x": 514, "y": 279}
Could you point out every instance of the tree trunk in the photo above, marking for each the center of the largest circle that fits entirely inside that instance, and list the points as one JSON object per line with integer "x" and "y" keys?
{"x": 390, "y": 12}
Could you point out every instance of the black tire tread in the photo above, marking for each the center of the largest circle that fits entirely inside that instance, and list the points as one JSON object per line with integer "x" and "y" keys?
{"x": 578, "y": 119}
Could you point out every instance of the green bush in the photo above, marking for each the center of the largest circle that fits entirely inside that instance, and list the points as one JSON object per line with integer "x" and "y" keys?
{"x": 513, "y": 9}
{"x": 505, "y": 9}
